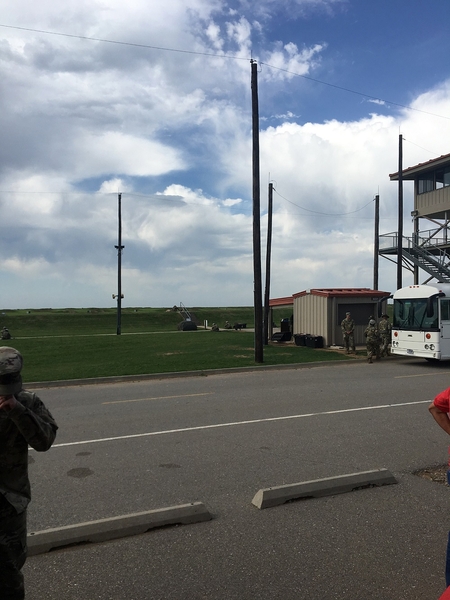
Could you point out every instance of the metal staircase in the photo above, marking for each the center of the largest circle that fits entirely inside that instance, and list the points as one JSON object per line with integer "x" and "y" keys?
{"x": 433, "y": 258}
{"x": 435, "y": 263}
{"x": 184, "y": 311}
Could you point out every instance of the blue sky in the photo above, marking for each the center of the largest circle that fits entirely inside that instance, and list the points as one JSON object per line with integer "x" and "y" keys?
{"x": 164, "y": 117}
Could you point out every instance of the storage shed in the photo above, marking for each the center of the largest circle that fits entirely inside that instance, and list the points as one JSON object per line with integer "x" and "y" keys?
{"x": 319, "y": 312}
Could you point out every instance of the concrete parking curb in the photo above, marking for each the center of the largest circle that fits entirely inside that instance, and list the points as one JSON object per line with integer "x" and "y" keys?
{"x": 103, "y": 530}
{"x": 274, "y": 496}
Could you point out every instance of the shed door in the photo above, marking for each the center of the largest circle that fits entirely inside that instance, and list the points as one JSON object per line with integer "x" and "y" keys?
{"x": 360, "y": 314}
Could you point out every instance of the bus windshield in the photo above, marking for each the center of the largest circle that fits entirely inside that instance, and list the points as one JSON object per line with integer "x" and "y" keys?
{"x": 412, "y": 314}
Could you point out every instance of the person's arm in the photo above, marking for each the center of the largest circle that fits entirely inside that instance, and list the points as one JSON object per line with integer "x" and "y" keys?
{"x": 440, "y": 417}
{"x": 36, "y": 424}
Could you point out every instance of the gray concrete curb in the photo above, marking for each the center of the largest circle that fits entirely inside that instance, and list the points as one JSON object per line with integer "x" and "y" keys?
{"x": 29, "y": 385}
{"x": 103, "y": 530}
{"x": 274, "y": 496}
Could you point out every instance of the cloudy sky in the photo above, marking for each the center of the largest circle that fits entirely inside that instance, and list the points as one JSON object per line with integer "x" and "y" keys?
{"x": 153, "y": 100}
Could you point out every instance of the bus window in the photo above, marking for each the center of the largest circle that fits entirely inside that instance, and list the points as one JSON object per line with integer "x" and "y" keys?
{"x": 445, "y": 309}
{"x": 412, "y": 314}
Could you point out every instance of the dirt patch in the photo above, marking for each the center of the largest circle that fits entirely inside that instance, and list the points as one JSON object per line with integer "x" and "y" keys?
{"x": 438, "y": 474}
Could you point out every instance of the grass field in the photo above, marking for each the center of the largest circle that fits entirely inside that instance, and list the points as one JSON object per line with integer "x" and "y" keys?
{"x": 53, "y": 322}
{"x": 77, "y": 344}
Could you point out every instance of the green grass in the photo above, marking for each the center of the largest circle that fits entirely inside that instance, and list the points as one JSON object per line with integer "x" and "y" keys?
{"x": 77, "y": 344}
{"x": 83, "y": 321}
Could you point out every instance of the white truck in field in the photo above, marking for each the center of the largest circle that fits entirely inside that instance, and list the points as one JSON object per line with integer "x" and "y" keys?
{"x": 421, "y": 321}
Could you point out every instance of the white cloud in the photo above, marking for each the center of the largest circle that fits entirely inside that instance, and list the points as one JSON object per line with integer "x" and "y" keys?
{"x": 289, "y": 62}
{"x": 114, "y": 185}
{"x": 119, "y": 153}
{"x": 294, "y": 7}
{"x": 172, "y": 131}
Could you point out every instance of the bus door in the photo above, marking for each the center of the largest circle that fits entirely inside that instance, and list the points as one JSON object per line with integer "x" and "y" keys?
{"x": 445, "y": 326}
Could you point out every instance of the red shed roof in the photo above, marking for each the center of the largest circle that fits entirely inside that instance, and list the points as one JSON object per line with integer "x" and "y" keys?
{"x": 343, "y": 292}
{"x": 286, "y": 301}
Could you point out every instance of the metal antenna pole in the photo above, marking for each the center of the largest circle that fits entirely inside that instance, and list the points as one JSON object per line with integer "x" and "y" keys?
{"x": 400, "y": 214}
{"x": 119, "y": 249}
{"x": 268, "y": 257}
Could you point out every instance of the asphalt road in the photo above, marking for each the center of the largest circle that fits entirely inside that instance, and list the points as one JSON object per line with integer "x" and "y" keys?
{"x": 125, "y": 448}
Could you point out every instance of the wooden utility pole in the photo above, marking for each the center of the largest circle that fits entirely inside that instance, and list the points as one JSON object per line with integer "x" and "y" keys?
{"x": 400, "y": 214}
{"x": 119, "y": 249}
{"x": 257, "y": 285}
{"x": 268, "y": 257}
{"x": 376, "y": 242}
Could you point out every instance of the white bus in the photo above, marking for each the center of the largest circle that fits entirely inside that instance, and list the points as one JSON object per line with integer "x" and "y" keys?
{"x": 421, "y": 322}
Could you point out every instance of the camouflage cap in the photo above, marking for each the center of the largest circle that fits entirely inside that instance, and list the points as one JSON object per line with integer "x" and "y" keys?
{"x": 11, "y": 363}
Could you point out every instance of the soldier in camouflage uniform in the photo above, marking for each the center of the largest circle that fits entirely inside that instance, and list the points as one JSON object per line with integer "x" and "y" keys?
{"x": 384, "y": 329}
{"x": 348, "y": 327}
{"x": 24, "y": 420}
{"x": 372, "y": 341}
{"x": 5, "y": 334}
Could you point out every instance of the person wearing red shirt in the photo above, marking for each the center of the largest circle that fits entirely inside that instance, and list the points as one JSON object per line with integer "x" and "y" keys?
{"x": 439, "y": 409}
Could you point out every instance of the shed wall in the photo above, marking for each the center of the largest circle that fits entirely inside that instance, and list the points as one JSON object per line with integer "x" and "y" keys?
{"x": 322, "y": 315}
{"x": 311, "y": 315}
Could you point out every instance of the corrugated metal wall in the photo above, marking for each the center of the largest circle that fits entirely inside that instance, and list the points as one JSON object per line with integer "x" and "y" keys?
{"x": 321, "y": 315}
{"x": 311, "y": 315}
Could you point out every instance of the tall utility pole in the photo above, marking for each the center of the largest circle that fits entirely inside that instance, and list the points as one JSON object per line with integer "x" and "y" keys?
{"x": 416, "y": 241}
{"x": 268, "y": 256}
{"x": 257, "y": 285}
{"x": 376, "y": 242}
{"x": 119, "y": 249}
{"x": 400, "y": 213}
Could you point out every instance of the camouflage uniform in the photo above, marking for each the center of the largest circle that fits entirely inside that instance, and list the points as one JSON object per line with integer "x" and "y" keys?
{"x": 13, "y": 550}
{"x": 28, "y": 423}
{"x": 372, "y": 341}
{"x": 384, "y": 329}
{"x": 5, "y": 334}
{"x": 348, "y": 326}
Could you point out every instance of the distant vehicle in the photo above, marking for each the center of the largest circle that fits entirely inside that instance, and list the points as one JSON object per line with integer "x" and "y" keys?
{"x": 421, "y": 321}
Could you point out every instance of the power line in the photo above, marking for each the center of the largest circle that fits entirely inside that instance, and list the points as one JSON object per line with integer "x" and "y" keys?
{"x": 344, "y": 89}
{"x": 229, "y": 56}
{"x": 106, "y": 41}
{"x": 322, "y": 213}
{"x": 421, "y": 147}
{"x": 239, "y": 209}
